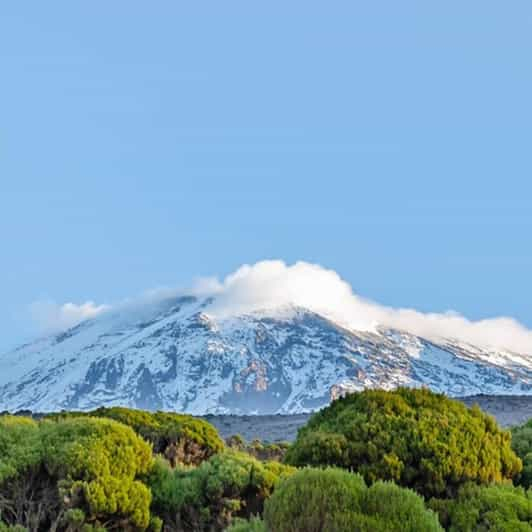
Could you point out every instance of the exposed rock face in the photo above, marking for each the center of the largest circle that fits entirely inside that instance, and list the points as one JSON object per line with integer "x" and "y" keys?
{"x": 175, "y": 356}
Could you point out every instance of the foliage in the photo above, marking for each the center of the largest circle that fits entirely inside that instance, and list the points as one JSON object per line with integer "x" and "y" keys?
{"x": 181, "y": 438}
{"x": 19, "y": 445}
{"x": 209, "y": 496}
{"x": 416, "y": 438}
{"x": 259, "y": 449}
{"x": 522, "y": 445}
{"x": 7, "y": 528}
{"x": 498, "y": 508}
{"x": 255, "y": 524}
{"x": 73, "y": 473}
{"x": 334, "y": 500}
{"x": 100, "y": 460}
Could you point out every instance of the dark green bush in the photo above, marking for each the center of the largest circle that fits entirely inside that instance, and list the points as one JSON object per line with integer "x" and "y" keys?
{"x": 416, "y": 438}
{"x": 501, "y": 508}
{"x": 209, "y": 496}
{"x": 522, "y": 445}
{"x": 334, "y": 500}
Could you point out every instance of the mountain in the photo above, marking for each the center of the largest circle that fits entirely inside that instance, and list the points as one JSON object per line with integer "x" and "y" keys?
{"x": 176, "y": 355}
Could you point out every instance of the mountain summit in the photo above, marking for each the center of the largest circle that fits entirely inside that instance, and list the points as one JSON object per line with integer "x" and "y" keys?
{"x": 181, "y": 354}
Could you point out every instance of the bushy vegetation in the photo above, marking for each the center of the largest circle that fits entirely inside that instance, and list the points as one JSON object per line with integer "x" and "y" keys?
{"x": 255, "y": 524}
{"x": 522, "y": 445}
{"x": 208, "y": 497}
{"x": 502, "y": 508}
{"x": 73, "y": 473}
{"x": 416, "y": 438}
{"x": 7, "y": 528}
{"x": 121, "y": 469}
{"x": 333, "y": 500}
{"x": 259, "y": 449}
{"x": 181, "y": 438}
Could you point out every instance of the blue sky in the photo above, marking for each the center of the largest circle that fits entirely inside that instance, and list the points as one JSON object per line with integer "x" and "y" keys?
{"x": 145, "y": 144}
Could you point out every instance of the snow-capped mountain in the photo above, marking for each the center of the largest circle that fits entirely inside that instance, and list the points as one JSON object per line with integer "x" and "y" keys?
{"x": 176, "y": 355}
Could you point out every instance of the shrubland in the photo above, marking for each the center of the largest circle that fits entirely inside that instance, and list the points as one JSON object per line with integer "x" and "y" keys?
{"x": 408, "y": 460}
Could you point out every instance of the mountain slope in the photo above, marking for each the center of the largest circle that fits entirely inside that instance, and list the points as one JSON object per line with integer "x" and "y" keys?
{"x": 175, "y": 355}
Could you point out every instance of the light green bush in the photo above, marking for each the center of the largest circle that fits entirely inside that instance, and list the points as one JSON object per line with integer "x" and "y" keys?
{"x": 180, "y": 437}
{"x": 73, "y": 473}
{"x": 416, "y": 438}
{"x": 334, "y": 500}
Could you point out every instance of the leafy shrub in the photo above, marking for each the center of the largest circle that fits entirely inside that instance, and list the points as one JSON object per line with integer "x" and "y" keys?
{"x": 71, "y": 474}
{"x": 416, "y": 438}
{"x": 19, "y": 446}
{"x": 181, "y": 438}
{"x": 7, "y": 528}
{"x": 522, "y": 445}
{"x": 103, "y": 459}
{"x": 502, "y": 508}
{"x": 259, "y": 449}
{"x": 255, "y": 524}
{"x": 333, "y": 500}
{"x": 209, "y": 496}
{"x": 236, "y": 441}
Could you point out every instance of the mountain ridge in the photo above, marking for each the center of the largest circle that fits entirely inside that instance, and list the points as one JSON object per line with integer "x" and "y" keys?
{"x": 177, "y": 354}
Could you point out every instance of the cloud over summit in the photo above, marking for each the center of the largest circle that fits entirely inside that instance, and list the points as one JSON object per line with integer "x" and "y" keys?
{"x": 273, "y": 284}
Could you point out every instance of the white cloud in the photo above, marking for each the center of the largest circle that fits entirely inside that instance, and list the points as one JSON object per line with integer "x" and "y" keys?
{"x": 51, "y": 317}
{"x": 269, "y": 284}
{"x": 273, "y": 284}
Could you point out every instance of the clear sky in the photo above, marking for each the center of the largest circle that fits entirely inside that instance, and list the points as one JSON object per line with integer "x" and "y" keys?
{"x": 145, "y": 143}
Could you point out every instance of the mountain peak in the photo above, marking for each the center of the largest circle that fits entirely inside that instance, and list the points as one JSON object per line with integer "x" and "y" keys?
{"x": 183, "y": 354}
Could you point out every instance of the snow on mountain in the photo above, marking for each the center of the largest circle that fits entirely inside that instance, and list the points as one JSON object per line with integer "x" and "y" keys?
{"x": 181, "y": 355}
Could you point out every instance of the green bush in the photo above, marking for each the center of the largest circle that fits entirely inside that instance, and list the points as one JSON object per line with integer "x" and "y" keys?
{"x": 100, "y": 461}
{"x": 209, "y": 496}
{"x": 501, "y": 508}
{"x": 334, "y": 500}
{"x": 416, "y": 438}
{"x": 7, "y": 528}
{"x": 255, "y": 524}
{"x": 19, "y": 446}
{"x": 181, "y": 438}
{"x": 522, "y": 445}
{"x": 73, "y": 473}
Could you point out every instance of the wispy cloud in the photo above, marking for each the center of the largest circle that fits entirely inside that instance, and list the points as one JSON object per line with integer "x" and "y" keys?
{"x": 50, "y": 316}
